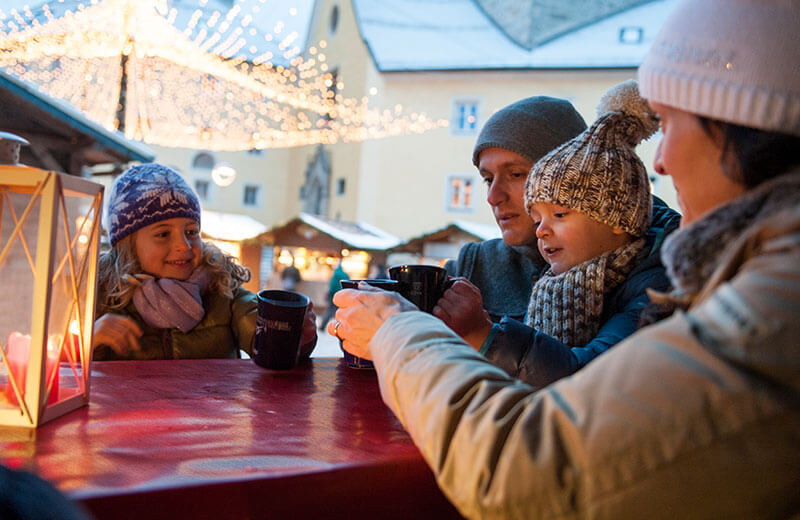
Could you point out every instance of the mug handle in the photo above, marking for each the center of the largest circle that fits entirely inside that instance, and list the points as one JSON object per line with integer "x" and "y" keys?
{"x": 449, "y": 282}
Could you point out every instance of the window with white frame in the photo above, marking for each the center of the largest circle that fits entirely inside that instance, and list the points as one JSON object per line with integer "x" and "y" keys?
{"x": 460, "y": 193}
{"x": 252, "y": 195}
{"x": 465, "y": 116}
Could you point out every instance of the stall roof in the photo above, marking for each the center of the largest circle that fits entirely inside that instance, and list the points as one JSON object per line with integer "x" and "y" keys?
{"x": 479, "y": 232}
{"x": 230, "y": 226}
{"x": 482, "y": 231}
{"x": 60, "y": 128}
{"x": 305, "y": 230}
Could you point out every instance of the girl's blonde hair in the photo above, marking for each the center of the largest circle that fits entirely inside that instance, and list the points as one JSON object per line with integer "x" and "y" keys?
{"x": 116, "y": 267}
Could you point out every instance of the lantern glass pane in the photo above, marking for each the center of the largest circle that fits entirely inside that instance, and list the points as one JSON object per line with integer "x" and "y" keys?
{"x": 19, "y": 219}
{"x": 68, "y": 304}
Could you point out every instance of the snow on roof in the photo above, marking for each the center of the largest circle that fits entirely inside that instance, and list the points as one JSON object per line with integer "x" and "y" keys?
{"x": 444, "y": 234}
{"x": 482, "y": 231}
{"x": 357, "y": 234}
{"x": 230, "y": 226}
{"x": 456, "y": 34}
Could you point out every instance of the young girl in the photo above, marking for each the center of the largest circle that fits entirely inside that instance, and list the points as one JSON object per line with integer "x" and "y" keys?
{"x": 163, "y": 293}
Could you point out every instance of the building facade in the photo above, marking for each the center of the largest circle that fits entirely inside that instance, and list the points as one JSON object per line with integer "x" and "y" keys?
{"x": 459, "y": 60}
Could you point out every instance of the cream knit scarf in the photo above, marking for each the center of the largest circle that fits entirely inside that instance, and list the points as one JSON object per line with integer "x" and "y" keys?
{"x": 569, "y": 306}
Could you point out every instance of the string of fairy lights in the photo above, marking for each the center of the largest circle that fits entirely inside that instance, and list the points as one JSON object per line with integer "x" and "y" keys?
{"x": 219, "y": 83}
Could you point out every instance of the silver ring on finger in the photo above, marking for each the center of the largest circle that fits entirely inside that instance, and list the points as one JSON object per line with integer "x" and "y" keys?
{"x": 336, "y": 329}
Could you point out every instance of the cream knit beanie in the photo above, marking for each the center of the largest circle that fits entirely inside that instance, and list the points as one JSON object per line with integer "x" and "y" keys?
{"x": 598, "y": 172}
{"x": 736, "y": 61}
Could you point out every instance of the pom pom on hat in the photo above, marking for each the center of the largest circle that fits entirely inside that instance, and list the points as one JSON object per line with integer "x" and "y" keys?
{"x": 146, "y": 194}
{"x": 625, "y": 98}
{"x": 598, "y": 172}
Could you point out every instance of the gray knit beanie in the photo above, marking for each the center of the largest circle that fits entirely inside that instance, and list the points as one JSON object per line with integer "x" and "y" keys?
{"x": 530, "y": 127}
{"x": 146, "y": 194}
{"x": 736, "y": 61}
{"x": 598, "y": 172}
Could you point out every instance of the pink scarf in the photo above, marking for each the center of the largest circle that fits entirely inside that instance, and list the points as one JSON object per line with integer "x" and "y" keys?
{"x": 166, "y": 303}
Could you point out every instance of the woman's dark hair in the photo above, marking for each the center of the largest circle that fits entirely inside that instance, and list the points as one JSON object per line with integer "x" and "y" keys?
{"x": 752, "y": 156}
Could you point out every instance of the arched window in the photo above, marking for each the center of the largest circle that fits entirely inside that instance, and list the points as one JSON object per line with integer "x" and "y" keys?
{"x": 203, "y": 161}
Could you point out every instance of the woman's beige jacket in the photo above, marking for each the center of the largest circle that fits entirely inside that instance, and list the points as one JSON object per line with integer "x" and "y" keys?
{"x": 697, "y": 416}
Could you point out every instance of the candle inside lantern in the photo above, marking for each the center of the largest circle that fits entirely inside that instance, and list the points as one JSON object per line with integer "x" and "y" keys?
{"x": 73, "y": 344}
{"x": 18, "y": 354}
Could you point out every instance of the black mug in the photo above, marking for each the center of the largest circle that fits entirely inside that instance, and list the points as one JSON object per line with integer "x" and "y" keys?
{"x": 422, "y": 285}
{"x": 381, "y": 283}
{"x": 279, "y": 328}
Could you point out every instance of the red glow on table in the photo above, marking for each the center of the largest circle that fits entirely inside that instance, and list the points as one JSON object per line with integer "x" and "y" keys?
{"x": 207, "y": 439}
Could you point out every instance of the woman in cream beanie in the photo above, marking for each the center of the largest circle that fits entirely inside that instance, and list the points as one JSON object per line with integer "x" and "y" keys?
{"x": 735, "y": 67}
{"x": 696, "y": 416}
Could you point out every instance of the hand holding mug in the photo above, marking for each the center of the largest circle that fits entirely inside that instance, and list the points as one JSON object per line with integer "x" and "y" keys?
{"x": 461, "y": 308}
{"x": 350, "y": 359}
{"x": 361, "y": 313}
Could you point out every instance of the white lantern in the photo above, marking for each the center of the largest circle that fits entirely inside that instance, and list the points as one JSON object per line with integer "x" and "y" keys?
{"x": 49, "y": 246}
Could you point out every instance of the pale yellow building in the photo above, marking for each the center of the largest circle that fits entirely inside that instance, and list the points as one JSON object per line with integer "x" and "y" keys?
{"x": 454, "y": 60}
{"x": 462, "y": 60}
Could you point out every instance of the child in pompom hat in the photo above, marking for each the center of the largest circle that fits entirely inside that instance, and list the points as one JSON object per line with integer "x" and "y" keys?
{"x": 163, "y": 293}
{"x": 591, "y": 204}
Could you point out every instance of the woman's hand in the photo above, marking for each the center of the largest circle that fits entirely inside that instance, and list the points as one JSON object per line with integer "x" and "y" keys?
{"x": 461, "y": 308}
{"x": 361, "y": 313}
{"x": 119, "y": 332}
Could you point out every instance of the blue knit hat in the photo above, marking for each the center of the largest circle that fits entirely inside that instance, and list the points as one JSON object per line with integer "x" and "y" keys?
{"x": 146, "y": 194}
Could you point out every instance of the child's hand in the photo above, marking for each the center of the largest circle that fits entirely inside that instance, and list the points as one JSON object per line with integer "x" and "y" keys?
{"x": 121, "y": 333}
{"x": 309, "y": 325}
{"x": 461, "y": 308}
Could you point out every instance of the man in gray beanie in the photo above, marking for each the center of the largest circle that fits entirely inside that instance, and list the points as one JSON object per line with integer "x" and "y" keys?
{"x": 501, "y": 270}
{"x": 598, "y": 174}
{"x": 511, "y": 141}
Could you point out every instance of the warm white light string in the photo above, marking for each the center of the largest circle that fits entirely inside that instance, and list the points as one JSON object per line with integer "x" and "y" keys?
{"x": 195, "y": 87}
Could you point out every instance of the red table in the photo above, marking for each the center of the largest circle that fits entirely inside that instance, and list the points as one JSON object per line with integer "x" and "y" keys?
{"x": 228, "y": 439}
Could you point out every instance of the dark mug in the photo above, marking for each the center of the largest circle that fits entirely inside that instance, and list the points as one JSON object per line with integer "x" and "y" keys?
{"x": 422, "y": 285}
{"x": 381, "y": 283}
{"x": 279, "y": 328}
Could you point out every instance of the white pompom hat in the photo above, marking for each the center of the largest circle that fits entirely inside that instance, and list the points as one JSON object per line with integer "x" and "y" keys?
{"x": 736, "y": 61}
{"x": 598, "y": 172}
